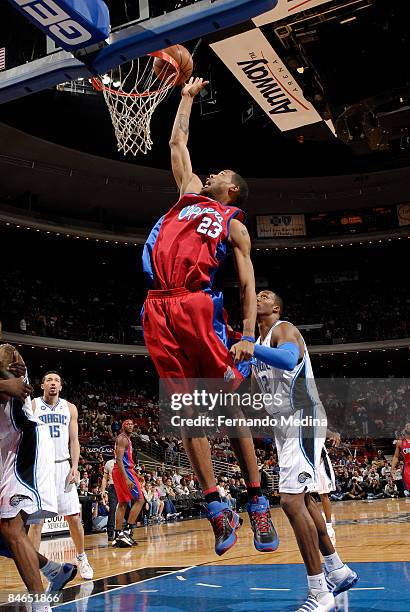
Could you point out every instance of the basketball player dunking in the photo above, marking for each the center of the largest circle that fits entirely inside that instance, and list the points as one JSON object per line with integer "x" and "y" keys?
{"x": 27, "y": 488}
{"x": 403, "y": 448}
{"x": 61, "y": 417}
{"x": 281, "y": 358}
{"x": 127, "y": 487}
{"x": 184, "y": 327}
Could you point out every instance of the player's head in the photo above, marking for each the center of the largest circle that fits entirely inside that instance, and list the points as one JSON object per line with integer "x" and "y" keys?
{"x": 51, "y": 384}
{"x": 268, "y": 303}
{"x": 407, "y": 429}
{"x": 227, "y": 187}
{"x": 128, "y": 426}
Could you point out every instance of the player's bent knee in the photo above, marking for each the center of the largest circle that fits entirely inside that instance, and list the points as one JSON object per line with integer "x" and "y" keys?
{"x": 291, "y": 502}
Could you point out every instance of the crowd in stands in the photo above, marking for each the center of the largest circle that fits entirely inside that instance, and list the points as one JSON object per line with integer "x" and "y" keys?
{"x": 97, "y": 292}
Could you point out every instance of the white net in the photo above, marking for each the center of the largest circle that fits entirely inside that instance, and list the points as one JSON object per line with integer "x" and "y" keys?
{"x": 132, "y": 93}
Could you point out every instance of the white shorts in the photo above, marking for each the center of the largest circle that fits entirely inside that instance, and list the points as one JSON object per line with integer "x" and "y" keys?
{"x": 299, "y": 451}
{"x": 27, "y": 482}
{"x": 326, "y": 475}
{"x": 67, "y": 497}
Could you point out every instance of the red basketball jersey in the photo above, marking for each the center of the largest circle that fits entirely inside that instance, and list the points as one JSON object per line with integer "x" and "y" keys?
{"x": 405, "y": 451}
{"x": 128, "y": 459}
{"x": 188, "y": 244}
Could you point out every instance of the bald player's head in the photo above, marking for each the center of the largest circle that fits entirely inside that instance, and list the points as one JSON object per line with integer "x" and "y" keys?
{"x": 269, "y": 303}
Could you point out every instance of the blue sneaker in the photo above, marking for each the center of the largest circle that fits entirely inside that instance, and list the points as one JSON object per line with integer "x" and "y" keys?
{"x": 225, "y": 522}
{"x": 66, "y": 573}
{"x": 265, "y": 537}
{"x": 341, "y": 580}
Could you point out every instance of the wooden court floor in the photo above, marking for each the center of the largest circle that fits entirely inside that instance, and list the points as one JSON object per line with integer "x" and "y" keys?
{"x": 365, "y": 531}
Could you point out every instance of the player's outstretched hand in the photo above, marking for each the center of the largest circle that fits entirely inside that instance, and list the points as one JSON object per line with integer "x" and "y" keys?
{"x": 242, "y": 351}
{"x": 193, "y": 86}
{"x": 16, "y": 387}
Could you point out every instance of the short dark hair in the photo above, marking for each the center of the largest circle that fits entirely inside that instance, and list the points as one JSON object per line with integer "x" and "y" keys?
{"x": 243, "y": 193}
{"x": 52, "y": 372}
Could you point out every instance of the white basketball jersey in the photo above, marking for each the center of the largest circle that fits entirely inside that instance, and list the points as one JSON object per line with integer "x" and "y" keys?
{"x": 58, "y": 420}
{"x": 13, "y": 417}
{"x": 282, "y": 383}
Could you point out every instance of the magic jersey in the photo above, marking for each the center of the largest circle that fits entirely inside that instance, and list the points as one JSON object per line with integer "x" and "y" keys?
{"x": 294, "y": 389}
{"x": 57, "y": 418}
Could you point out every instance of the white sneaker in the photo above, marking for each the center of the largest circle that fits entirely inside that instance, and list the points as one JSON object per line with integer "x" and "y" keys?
{"x": 321, "y": 602}
{"x": 86, "y": 571}
{"x": 341, "y": 579}
{"x": 331, "y": 533}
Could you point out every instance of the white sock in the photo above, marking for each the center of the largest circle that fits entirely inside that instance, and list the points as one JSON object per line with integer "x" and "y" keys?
{"x": 329, "y": 525}
{"x": 333, "y": 562}
{"x": 81, "y": 556}
{"x": 317, "y": 584}
{"x": 50, "y": 569}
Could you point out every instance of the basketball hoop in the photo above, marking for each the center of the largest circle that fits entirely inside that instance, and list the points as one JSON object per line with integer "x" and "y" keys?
{"x": 132, "y": 92}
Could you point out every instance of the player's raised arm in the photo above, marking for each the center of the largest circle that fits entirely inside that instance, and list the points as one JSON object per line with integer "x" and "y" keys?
{"x": 180, "y": 159}
{"x": 241, "y": 244}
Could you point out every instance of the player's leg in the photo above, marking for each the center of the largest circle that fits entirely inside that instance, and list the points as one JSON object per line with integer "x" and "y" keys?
{"x": 265, "y": 537}
{"x": 172, "y": 336}
{"x": 339, "y": 576}
{"x": 327, "y": 511}
{"x": 69, "y": 506}
{"x": 34, "y": 533}
{"x": 137, "y": 504}
{"x": 24, "y": 554}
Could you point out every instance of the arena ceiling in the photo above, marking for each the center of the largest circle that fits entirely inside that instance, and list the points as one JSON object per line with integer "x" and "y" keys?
{"x": 359, "y": 56}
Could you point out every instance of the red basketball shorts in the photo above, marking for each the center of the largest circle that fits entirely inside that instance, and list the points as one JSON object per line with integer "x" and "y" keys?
{"x": 185, "y": 334}
{"x": 124, "y": 493}
{"x": 406, "y": 477}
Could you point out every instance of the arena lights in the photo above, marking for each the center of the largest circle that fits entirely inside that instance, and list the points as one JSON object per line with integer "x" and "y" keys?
{"x": 73, "y": 236}
{"x": 115, "y": 241}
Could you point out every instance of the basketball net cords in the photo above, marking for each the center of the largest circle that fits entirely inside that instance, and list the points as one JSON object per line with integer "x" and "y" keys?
{"x": 131, "y": 111}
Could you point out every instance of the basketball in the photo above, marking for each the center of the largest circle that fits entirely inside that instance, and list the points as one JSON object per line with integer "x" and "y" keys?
{"x": 182, "y": 56}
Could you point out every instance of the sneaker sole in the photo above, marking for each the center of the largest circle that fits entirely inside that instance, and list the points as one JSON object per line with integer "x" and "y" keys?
{"x": 347, "y": 584}
{"x": 267, "y": 547}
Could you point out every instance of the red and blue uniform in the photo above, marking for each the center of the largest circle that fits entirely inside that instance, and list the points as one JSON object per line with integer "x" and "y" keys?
{"x": 183, "y": 320}
{"x": 124, "y": 494}
{"x": 405, "y": 451}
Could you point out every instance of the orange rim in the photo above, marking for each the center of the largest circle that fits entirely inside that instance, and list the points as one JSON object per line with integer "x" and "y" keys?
{"x": 99, "y": 85}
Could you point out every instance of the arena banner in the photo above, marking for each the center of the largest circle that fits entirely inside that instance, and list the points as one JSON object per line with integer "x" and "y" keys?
{"x": 286, "y": 8}
{"x": 252, "y": 60}
{"x": 57, "y": 524}
{"x": 276, "y": 226}
{"x": 403, "y": 214}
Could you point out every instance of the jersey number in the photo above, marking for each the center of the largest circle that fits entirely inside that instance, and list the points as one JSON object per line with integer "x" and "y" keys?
{"x": 54, "y": 431}
{"x": 209, "y": 228}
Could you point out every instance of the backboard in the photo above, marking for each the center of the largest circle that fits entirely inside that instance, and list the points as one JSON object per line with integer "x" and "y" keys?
{"x": 137, "y": 28}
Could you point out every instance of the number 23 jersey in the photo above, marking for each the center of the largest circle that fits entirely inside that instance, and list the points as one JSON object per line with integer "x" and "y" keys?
{"x": 187, "y": 245}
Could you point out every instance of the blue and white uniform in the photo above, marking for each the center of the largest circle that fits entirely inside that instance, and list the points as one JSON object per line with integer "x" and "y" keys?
{"x": 57, "y": 420}
{"x": 27, "y": 481}
{"x": 299, "y": 446}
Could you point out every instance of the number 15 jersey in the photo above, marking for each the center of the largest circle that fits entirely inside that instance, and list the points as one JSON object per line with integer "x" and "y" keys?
{"x": 187, "y": 245}
{"x": 57, "y": 418}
